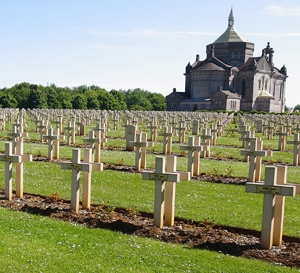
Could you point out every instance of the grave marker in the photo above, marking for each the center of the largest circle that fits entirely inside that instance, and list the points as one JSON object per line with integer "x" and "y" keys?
{"x": 192, "y": 148}
{"x": 8, "y": 158}
{"x": 272, "y": 211}
{"x": 160, "y": 177}
{"x": 167, "y": 140}
{"x": 140, "y": 151}
{"x": 171, "y": 189}
{"x": 296, "y": 151}
{"x": 76, "y": 167}
{"x": 255, "y": 154}
{"x": 20, "y": 168}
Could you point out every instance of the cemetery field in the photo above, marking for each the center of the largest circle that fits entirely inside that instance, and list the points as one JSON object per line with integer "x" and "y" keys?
{"x": 217, "y": 223}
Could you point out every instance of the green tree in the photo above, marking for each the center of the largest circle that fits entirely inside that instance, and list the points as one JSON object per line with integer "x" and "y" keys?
{"x": 158, "y": 102}
{"x": 65, "y": 99}
{"x": 119, "y": 99}
{"x": 137, "y": 99}
{"x": 92, "y": 100}
{"x": 296, "y": 108}
{"x": 106, "y": 100}
{"x": 7, "y": 101}
{"x": 36, "y": 99}
{"x": 79, "y": 102}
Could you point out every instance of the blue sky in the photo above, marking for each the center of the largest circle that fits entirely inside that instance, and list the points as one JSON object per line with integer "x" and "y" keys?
{"x": 118, "y": 44}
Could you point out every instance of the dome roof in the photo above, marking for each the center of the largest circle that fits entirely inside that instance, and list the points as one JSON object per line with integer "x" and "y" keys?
{"x": 230, "y": 34}
{"x": 209, "y": 66}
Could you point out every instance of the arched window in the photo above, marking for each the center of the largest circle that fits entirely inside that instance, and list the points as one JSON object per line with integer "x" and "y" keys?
{"x": 243, "y": 88}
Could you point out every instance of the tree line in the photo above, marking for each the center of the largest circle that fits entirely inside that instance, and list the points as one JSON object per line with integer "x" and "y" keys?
{"x": 26, "y": 95}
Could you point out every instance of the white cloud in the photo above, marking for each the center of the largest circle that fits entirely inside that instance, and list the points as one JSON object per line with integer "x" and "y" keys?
{"x": 278, "y": 10}
{"x": 112, "y": 47}
{"x": 149, "y": 33}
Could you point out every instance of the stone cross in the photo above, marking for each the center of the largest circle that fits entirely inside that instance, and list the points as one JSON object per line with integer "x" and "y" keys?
{"x": 255, "y": 154}
{"x": 296, "y": 152}
{"x": 153, "y": 130}
{"x": 220, "y": 128}
{"x": 282, "y": 138}
{"x": 14, "y": 137}
{"x": 181, "y": 132}
{"x": 8, "y": 158}
{"x": 2, "y": 122}
{"x": 214, "y": 130}
{"x": 195, "y": 128}
{"x": 59, "y": 121}
{"x": 76, "y": 167}
{"x": 140, "y": 151}
{"x": 81, "y": 126}
{"x": 160, "y": 177}
{"x": 70, "y": 132}
{"x": 167, "y": 140}
{"x": 94, "y": 144}
{"x": 87, "y": 177}
{"x": 272, "y": 215}
{"x": 246, "y": 138}
{"x": 50, "y": 138}
{"x": 42, "y": 127}
{"x": 100, "y": 132}
{"x": 270, "y": 130}
{"x": 205, "y": 142}
{"x": 56, "y": 143}
{"x": 191, "y": 148}
{"x": 130, "y": 133}
{"x": 20, "y": 168}
{"x": 171, "y": 189}
{"x": 173, "y": 124}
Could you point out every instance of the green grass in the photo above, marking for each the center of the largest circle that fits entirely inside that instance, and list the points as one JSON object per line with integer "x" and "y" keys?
{"x": 37, "y": 244}
{"x": 219, "y": 203}
{"x": 34, "y": 244}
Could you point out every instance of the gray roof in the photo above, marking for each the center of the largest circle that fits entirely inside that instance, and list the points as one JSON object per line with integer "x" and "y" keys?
{"x": 230, "y": 34}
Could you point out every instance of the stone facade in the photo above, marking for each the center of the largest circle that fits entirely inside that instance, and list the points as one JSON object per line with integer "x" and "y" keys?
{"x": 230, "y": 78}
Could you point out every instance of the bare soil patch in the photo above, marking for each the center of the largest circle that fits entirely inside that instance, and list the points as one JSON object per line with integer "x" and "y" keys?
{"x": 202, "y": 235}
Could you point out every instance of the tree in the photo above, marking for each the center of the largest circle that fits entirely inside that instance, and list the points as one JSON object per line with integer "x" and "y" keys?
{"x": 36, "y": 99}
{"x": 65, "y": 99}
{"x": 106, "y": 100}
{"x": 7, "y": 101}
{"x": 158, "y": 102}
{"x": 92, "y": 101}
{"x": 297, "y": 108}
{"x": 120, "y": 100}
{"x": 138, "y": 99}
{"x": 79, "y": 102}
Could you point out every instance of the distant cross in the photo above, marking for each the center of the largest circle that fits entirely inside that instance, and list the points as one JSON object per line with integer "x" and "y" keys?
{"x": 70, "y": 132}
{"x": 167, "y": 139}
{"x": 191, "y": 148}
{"x": 255, "y": 154}
{"x": 140, "y": 151}
{"x": 296, "y": 152}
{"x": 181, "y": 132}
{"x": 282, "y": 138}
{"x": 50, "y": 138}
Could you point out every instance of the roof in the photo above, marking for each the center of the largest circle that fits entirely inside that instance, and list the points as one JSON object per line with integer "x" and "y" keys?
{"x": 230, "y": 34}
{"x": 209, "y": 66}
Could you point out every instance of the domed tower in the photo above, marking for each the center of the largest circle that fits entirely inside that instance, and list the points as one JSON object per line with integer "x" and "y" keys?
{"x": 231, "y": 47}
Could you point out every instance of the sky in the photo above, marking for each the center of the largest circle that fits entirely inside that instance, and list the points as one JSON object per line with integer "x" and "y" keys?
{"x": 118, "y": 44}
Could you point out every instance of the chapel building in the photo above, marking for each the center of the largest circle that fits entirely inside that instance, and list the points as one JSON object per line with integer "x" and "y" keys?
{"x": 230, "y": 78}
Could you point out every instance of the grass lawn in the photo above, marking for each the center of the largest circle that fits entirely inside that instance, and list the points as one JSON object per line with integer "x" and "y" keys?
{"x": 38, "y": 244}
